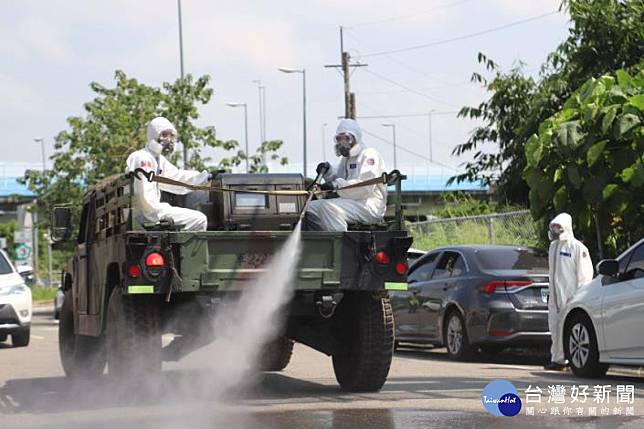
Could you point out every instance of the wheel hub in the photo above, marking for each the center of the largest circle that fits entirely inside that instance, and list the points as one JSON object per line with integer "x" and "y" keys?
{"x": 579, "y": 345}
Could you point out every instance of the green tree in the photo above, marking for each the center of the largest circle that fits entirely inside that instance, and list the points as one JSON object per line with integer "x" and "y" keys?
{"x": 588, "y": 160}
{"x": 96, "y": 145}
{"x": 605, "y": 35}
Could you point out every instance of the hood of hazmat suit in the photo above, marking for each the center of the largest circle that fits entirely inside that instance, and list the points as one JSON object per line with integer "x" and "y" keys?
{"x": 570, "y": 268}
{"x": 147, "y": 195}
{"x": 365, "y": 204}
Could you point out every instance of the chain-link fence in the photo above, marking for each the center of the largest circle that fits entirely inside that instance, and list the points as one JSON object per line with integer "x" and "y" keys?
{"x": 501, "y": 228}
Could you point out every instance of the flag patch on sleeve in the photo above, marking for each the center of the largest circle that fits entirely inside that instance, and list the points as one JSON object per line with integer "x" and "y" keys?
{"x": 146, "y": 164}
{"x": 371, "y": 161}
{"x": 353, "y": 165}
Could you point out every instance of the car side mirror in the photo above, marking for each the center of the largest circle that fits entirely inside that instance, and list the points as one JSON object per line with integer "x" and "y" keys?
{"x": 61, "y": 224}
{"x": 608, "y": 267}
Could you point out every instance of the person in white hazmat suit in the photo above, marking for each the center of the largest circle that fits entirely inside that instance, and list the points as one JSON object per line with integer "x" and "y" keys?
{"x": 366, "y": 204}
{"x": 570, "y": 268}
{"x": 162, "y": 138}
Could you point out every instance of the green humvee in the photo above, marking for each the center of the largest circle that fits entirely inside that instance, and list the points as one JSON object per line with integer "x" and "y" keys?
{"x": 129, "y": 283}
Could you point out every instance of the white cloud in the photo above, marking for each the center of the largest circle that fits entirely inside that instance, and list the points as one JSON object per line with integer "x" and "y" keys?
{"x": 35, "y": 38}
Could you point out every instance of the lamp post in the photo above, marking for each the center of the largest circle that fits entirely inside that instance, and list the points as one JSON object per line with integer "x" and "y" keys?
{"x": 185, "y": 148}
{"x": 245, "y": 106}
{"x": 35, "y": 220}
{"x": 431, "y": 151}
{"x": 303, "y": 71}
{"x": 324, "y": 141}
{"x": 393, "y": 127}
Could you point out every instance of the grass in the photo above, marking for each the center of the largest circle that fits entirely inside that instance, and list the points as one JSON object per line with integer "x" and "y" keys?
{"x": 40, "y": 294}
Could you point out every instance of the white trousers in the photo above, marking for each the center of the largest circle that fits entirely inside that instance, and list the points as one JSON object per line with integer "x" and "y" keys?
{"x": 192, "y": 219}
{"x": 555, "y": 327}
{"x": 334, "y": 214}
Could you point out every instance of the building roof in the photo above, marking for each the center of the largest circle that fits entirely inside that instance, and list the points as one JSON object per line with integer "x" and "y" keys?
{"x": 9, "y": 186}
{"x": 438, "y": 183}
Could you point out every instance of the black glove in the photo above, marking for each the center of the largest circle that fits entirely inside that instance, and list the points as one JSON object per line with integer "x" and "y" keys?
{"x": 323, "y": 167}
{"x": 327, "y": 186}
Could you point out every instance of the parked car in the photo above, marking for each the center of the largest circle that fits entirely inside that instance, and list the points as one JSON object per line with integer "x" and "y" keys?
{"x": 476, "y": 296}
{"x": 27, "y": 273}
{"x": 413, "y": 255}
{"x": 58, "y": 302}
{"x": 15, "y": 304}
{"x": 603, "y": 321}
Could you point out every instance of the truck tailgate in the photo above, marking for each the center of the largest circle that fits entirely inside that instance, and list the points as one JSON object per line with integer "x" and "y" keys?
{"x": 225, "y": 260}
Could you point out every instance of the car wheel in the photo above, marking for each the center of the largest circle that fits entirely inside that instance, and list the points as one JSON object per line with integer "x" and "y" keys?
{"x": 580, "y": 347}
{"x": 276, "y": 354}
{"x": 366, "y": 342}
{"x": 455, "y": 337}
{"x": 81, "y": 356}
{"x": 3, "y": 337}
{"x": 133, "y": 335}
{"x": 21, "y": 338}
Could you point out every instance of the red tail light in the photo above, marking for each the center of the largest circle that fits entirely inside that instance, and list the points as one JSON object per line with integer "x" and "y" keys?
{"x": 134, "y": 271}
{"x": 154, "y": 260}
{"x": 382, "y": 258}
{"x": 494, "y": 284}
{"x": 401, "y": 268}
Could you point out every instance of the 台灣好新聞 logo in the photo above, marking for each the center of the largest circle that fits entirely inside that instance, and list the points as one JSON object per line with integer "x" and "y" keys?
{"x": 501, "y": 398}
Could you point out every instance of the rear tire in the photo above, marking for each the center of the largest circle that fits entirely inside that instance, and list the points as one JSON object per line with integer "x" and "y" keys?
{"x": 580, "y": 348}
{"x": 133, "y": 335}
{"x": 276, "y": 354}
{"x": 3, "y": 337}
{"x": 80, "y": 355}
{"x": 366, "y": 336}
{"x": 21, "y": 338}
{"x": 455, "y": 337}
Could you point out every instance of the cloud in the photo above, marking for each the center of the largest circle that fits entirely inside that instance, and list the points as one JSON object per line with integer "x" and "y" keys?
{"x": 17, "y": 97}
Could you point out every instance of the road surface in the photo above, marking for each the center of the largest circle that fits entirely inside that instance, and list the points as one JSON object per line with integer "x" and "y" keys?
{"x": 424, "y": 389}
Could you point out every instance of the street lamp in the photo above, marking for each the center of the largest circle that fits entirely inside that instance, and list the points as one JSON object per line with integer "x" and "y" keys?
{"x": 245, "y": 106}
{"x": 324, "y": 141}
{"x": 431, "y": 154}
{"x": 261, "y": 89}
{"x": 393, "y": 127}
{"x": 303, "y": 71}
{"x": 42, "y": 150}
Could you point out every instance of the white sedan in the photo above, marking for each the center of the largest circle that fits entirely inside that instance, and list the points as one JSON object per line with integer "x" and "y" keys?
{"x": 603, "y": 321}
{"x": 15, "y": 304}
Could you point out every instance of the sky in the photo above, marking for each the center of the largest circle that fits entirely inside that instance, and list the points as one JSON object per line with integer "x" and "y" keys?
{"x": 51, "y": 50}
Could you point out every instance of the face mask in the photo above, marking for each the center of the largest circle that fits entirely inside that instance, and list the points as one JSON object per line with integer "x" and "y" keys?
{"x": 344, "y": 142}
{"x": 167, "y": 139}
{"x": 554, "y": 232}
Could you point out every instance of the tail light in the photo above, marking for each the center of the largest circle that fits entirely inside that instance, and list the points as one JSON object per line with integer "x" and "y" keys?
{"x": 492, "y": 286}
{"x": 134, "y": 271}
{"x": 382, "y": 258}
{"x": 401, "y": 268}
{"x": 154, "y": 259}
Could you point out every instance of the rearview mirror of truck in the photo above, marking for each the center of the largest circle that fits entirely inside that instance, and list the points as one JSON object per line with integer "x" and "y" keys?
{"x": 61, "y": 224}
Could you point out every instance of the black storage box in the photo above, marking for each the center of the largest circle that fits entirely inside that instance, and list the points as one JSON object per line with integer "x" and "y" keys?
{"x": 243, "y": 211}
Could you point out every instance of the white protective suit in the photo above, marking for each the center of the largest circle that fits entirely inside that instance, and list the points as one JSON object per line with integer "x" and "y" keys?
{"x": 147, "y": 195}
{"x": 570, "y": 268}
{"x": 364, "y": 204}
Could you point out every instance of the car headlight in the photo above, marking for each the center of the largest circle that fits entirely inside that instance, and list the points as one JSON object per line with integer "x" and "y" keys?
{"x": 14, "y": 290}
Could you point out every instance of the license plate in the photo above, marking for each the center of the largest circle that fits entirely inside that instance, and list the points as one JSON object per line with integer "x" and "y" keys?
{"x": 544, "y": 295}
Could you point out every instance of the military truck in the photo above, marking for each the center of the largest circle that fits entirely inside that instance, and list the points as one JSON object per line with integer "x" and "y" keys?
{"x": 129, "y": 283}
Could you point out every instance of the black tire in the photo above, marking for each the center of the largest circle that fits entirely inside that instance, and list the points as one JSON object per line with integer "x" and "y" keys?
{"x": 580, "y": 348}
{"x": 276, "y": 354}
{"x": 56, "y": 315}
{"x": 21, "y": 338}
{"x": 133, "y": 338}
{"x": 80, "y": 356}
{"x": 3, "y": 337}
{"x": 455, "y": 337}
{"x": 366, "y": 335}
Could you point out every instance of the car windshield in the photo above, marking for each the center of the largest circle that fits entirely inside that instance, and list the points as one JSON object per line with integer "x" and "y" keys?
{"x": 512, "y": 259}
{"x": 5, "y": 267}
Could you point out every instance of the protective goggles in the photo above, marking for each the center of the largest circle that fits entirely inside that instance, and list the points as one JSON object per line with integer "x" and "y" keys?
{"x": 344, "y": 138}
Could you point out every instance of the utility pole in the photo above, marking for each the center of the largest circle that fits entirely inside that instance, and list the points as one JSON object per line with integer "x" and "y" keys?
{"x": 185, "y": 147}
{"x": 261, "y": 89}
{"x": 346, "y": 65}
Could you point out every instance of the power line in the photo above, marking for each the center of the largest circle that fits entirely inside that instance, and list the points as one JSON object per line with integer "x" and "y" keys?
{"x": 463, "y": 37}
{"x": 413, "y": 91}
{"x": 411, "y": 152}
{"x": 411, "y": 15}
{"x": 407, "y": 115}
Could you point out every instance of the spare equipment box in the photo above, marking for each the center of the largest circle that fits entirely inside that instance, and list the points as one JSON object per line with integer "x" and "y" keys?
{"x": 242, "y": 211}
